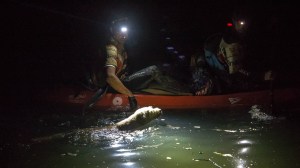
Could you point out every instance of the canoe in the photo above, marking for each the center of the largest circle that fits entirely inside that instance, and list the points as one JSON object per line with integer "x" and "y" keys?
{"x": 112, "y": 101}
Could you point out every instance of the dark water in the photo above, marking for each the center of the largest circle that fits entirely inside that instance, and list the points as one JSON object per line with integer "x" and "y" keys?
{"x": 198, "y": 138}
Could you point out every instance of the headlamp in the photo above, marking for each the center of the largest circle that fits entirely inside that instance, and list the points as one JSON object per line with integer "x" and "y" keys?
{"x": 124, "y": 29}
{"x": 241, "y": 22}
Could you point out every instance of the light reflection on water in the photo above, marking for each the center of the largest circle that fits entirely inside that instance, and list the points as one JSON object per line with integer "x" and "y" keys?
{"x": 178, "y": 139}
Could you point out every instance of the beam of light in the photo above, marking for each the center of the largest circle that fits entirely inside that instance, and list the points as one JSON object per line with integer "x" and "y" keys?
{"x": 244, "y": 150}
{"x": 123, "y": 150}
{"x": 127, "y": 164}
{"x": 245, "y": 141}
{"x": 116, "y": 145}
{"x": 232, "y": 131}
{"x": 126, "y": 154}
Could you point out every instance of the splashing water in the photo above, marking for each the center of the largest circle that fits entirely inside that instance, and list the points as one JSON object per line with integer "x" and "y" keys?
{"x": 256, "y": 113}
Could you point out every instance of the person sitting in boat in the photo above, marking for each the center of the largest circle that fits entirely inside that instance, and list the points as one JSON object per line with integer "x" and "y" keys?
{"x": 213, "y": 70}
{"x": 220, "y": 68}
{"x": 115, "y": 75}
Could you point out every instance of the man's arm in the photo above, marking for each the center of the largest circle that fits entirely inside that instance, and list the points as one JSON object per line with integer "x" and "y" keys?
{"x": 115, "y": 82}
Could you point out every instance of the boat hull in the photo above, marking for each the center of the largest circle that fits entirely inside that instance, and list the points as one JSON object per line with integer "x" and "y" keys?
{"x": 67, "y": 96}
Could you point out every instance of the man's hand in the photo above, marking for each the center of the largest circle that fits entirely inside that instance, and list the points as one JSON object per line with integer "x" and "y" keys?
{"x": 132, "y": 103}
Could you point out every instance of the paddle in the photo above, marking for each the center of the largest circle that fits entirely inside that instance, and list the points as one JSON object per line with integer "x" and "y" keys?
{"x": 100, "y": 93}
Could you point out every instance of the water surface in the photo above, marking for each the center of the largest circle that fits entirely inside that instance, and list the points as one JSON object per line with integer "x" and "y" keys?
{"x": 186, "y": 138}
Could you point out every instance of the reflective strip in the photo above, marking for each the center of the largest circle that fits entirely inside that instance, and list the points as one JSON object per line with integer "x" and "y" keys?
{"x": 110, "y": 66}
{"x": 111, "y": 61}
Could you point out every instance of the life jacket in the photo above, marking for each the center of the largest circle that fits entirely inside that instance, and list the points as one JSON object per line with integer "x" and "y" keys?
{"x": 121, "y": 65}
{"x": 98, "y": 74}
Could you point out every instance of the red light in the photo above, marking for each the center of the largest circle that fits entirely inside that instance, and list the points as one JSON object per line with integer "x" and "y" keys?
{"x": 229, "y": 24}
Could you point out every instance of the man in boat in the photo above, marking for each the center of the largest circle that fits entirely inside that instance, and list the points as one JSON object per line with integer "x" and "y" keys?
{"x": 215, "y": 69}
{"x": 220, "y": 68}
{"x": 115, "y": 65}
{"x": 114, "y": 76}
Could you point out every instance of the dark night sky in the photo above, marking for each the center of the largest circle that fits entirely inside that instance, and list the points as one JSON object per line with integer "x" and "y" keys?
{"x": 50, "y": 42}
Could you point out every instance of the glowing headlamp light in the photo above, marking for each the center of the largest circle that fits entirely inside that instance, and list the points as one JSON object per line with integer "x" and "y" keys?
{"x": 124, "y": 29}
{"x": 241, "y": 22}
